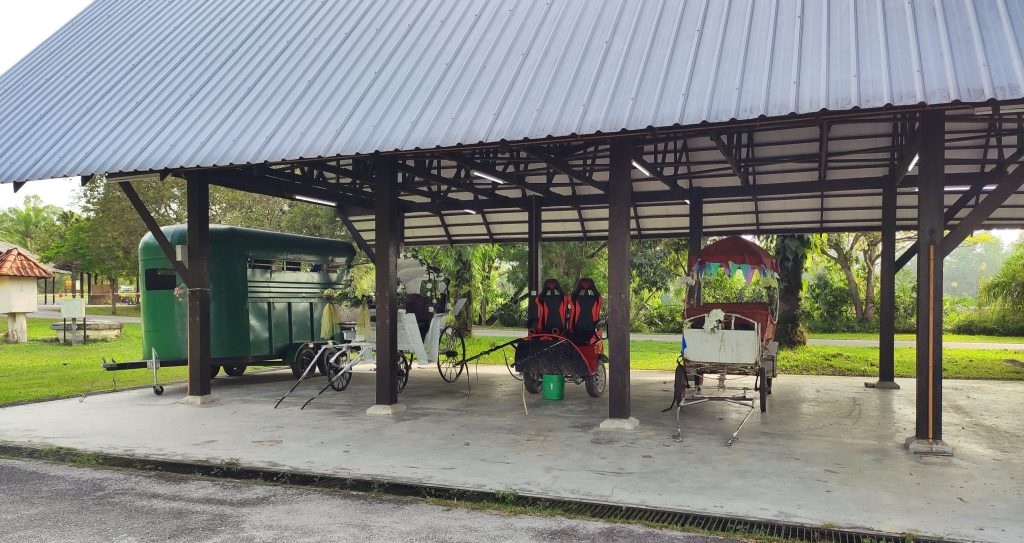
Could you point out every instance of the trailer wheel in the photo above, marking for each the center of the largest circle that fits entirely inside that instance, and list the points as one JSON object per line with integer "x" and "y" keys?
{"x": 451, "y": 352}
{"x": 234, "y": 371}
{"x": 404, "y": 368}
{"x": 214, "y": 371}
{"x": 303, "y": 358}
{"x": 158, "y": 390}
{"x": 596, "y": 383}
{"x": 762, "y": 380}
{"x": 533, "y": 382}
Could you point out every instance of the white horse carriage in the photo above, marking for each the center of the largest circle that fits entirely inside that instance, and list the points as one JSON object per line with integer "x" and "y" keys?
{"x": 729, "y": 340}
{"x": 425, "y": 328}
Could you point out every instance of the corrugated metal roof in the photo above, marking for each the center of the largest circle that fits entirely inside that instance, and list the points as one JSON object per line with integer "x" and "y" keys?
{"x": 132, "y": 85}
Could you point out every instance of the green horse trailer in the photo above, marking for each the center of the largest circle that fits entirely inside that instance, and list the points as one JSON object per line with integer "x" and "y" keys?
{"x": 265, "y": 302}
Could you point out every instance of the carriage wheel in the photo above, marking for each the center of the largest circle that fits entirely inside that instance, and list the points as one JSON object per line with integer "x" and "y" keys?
{"x": 303, "y": 358}
{"x": 597, "y": 382}
{"x": 404, "y": 368}
{"x": 333, "y": 369}
{"x": 234, "y": 371}
{"x": 533, "y": 382}
{"x": 762, "y": 380}
{"x": 451, "y": 352}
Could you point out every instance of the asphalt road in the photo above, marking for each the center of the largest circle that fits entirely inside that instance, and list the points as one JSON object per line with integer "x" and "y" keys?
{"x": 40, "y": 501}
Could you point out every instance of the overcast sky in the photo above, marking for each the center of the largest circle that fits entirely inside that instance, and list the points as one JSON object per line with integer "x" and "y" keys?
{"x": 23, "y": 26}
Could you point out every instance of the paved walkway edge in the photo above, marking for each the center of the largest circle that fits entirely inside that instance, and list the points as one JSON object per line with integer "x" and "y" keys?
{"x": 595, "y": 510}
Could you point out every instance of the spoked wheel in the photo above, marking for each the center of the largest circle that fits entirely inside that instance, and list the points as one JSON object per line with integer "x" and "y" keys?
{"x": 234, "y": 371}
{"x": 339, "y": 383}
{"x": 599, "y": 381}
{"x": 303, "y": 358}
{"x": 762, "y": 380}
{"x": 533, "y": 382}
{"x": 404, "y": 367}
{"x": 451, "y": 352}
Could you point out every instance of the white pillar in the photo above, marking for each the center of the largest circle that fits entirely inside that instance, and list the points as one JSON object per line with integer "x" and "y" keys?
{"x": 17, "y": 328}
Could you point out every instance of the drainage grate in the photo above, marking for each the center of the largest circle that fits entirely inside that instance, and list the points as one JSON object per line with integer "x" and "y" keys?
{"x": 591, "y": 510}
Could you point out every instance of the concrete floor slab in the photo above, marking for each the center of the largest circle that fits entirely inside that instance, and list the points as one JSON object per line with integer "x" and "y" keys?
{"x": 829, "y": 451}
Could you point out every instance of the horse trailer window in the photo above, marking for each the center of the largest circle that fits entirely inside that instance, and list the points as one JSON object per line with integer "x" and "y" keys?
{"x": 161, "y": 279}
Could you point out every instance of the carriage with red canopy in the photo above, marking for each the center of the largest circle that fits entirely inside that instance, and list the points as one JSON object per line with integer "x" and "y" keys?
{"x": 730, "y": 339}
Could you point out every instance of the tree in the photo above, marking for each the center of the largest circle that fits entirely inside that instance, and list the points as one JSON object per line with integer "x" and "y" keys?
{"x": 1006, "y": 287}
{"x": 110, "y": 229}
{"x": 791, "y": 254}
{"x": 32, "y": 226}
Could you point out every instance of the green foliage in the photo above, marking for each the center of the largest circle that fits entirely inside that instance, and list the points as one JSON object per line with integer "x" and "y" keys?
{"x": 33, "y": 226}
{"x": 1006, "y": 288}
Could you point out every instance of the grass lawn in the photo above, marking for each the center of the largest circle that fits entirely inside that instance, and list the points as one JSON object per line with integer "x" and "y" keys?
{"x": 816, "y": 360}
{"x": 910, "y": 337}
{"x": 43, "y": 368}
{"x": 122, "y": 310}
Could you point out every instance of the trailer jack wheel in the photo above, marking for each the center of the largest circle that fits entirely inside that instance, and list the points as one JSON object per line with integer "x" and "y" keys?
{"x": 158, "y": 390}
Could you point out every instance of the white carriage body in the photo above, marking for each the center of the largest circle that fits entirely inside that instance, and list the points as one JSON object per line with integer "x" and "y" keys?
{"x": 722, "y": 347}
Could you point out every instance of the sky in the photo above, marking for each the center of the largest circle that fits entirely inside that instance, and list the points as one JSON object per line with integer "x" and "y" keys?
{"x": 23, "y": 26}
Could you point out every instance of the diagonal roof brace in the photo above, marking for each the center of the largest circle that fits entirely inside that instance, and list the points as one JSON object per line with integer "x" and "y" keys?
{"x": 459, "y": 184}
{"x": 730, "y": 158}
{"x": 564, "y": 168}
{"x": 644, "y": 166}
{"x": 473, "y": 165}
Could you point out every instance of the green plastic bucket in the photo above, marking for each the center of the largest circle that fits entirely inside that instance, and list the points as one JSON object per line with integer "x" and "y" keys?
{"x": 554, "y": 386}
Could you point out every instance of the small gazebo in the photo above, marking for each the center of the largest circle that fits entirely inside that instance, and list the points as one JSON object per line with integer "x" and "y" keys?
{"x": 18, "y": 291}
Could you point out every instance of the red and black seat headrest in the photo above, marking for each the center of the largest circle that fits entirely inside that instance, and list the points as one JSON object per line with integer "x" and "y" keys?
{"x": 586, "y": 307}
{"x": 551, "y": 305}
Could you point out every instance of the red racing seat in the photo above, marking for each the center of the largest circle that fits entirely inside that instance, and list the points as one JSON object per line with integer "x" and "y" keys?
{"x": 550, "y": 305}
{"x": 585, "y": 315}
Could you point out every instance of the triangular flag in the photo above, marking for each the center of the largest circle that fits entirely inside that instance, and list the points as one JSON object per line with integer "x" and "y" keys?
{"x": 713, "y": 267}
{"x": 748, "y": 272}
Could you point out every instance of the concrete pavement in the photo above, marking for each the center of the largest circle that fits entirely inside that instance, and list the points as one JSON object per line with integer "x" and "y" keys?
{"x": 828, "y": 451}
{"x": 55, "y": 502}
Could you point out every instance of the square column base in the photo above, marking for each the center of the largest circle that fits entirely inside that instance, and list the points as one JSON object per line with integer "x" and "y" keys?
{"x": 384, "y": 409}
{"x": 885, "y": 385}
{"x": 928, "y": 447}
{"x": 205, "y": 399}
{"x": 627, "y": 425}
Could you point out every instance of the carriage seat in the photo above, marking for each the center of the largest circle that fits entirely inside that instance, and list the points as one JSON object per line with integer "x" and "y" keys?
{"x": 550, "y": 309}
{"x": 585, "y": 313}
{"x": 756, "y": 311}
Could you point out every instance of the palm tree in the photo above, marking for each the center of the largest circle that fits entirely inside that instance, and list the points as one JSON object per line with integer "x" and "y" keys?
{"x": 25, "y": 226}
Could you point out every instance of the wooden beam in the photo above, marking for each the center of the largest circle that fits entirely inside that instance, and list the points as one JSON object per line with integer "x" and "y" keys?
{"x": 473, "y": 165}
{"x": 620, "y": 196}
{"x": 929, "y": 277}
{"x": 981, "y": 212}
{"x": 564, "y": 168}
{"x": 154, "y": 228}
{"x": 388, "y": 241}
{"x": 356, "y": 236}
{"x": 730, "y": 158}
{"x": 656, "y": 173}
{"x": 460, "y": 184}
{"x": 198, "y": 204}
